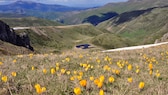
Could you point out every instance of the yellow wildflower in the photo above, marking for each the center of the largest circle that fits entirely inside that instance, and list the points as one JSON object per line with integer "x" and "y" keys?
{"x": 14, "y": 61}
{"x": 81, "y": 73}
{"x": 137, "y": 71}
{"x": 13, "y": 74}
{"x": 129, "y": 80}
{"x": 72, "y": 78}
{"x": 32, "y": 68}
{"x": 96, "y": 81}
{"x": 52, "y": 71}
{"x": 150, "y": 72}
{"x": 101, "y": 78}
{"x": 44, "y": 71}
{"x": 111, "y": 79}
{"x": 68, "y": 72}
{"x": 77, "y": 91}
{"x": 63, "y": 71}
{"x": 101, "y": 92}
{"x": 91, "y": 78}
{"x": 100, "y": 84}
{"x": 150, "y": 65}
{"x": 129, "y": 67}
{"x": 4, "y": 78}
{"x": 83, "y": 83}
{"x": 43, "y": 89}
{"x": 1, "y": 63}
{"x": 141, "y": 85}
{"x": 117, "y": 72}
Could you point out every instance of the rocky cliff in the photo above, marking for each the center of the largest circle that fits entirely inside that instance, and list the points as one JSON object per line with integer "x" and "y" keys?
{"x": 8, "y": 35}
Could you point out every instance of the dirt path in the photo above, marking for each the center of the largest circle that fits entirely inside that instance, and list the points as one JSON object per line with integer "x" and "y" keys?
{"x": 135, "y": 47}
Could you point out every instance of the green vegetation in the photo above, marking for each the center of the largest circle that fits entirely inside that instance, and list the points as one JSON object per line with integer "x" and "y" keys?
{"x": 144, "y": 29}
{"x": 58, "y": 38}
{"x": 110, "y": 41}
{"x": 121, "y": 72}
{"x": 114, "y": 7}
{"x": 28, "y": 21}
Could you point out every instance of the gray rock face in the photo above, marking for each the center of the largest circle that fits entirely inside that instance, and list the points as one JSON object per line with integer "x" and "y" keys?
{"x": 8, "y": 35}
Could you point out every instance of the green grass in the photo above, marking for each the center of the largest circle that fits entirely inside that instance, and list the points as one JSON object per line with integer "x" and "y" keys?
{"x": 82, "y": 65}
{"x": 110, "y": 41}
{"x": 60, "y": 38}
{"x": 28, "y": 21}
{"x": 144, "y": 29}
{"x": 114, "y": 7}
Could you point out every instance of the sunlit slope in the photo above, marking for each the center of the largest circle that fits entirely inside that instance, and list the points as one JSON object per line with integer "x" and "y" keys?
{"x": 146, "y": 28}
{"x": 28, "y": 21}
{"x": 55, "y": 38}
{"x": 115, "y": 7}
{"x": 10, "y": 49}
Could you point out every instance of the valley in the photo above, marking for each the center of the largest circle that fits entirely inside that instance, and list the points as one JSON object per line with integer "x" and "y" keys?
{"x": 123, "y": 49}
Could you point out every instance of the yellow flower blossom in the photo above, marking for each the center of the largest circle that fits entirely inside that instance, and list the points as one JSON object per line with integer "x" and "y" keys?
{"x": 100, "y": 84}
{"x": 91, "y": 78}
{"x": 117, "y": 72}
{"x": 14, "y": 61}
{"x": 13, "y": 74}
{"x": 52, "y": 71}
{"x": 137, "y": 71}
{"x": 43, "y": 89}
{"x": 44, "y": 71}
{"x": 129, "y": 67}
{"x": 101, "y": 92}
{"x": 101, "y": 78}
{"x": 68, "y": 72}
{"x": 150, "y": 72}
{"x": 67, "y": 59}
{"x": 63, "y": 71}
{"x": 4, "y": 78}
{"x": 141, "y": 85}
{"x": 38, "y": 88}
{"x": 111, "y": 79}
{"x": 32, "y": 68}
{"x": 129, "y": 80}
{"x": 1, "y": 63}
{"x": 77, "y": 91}
{"x": 150, "y": 66}
{"x": 83, "y": 83}
{"x": 72, "y": 78}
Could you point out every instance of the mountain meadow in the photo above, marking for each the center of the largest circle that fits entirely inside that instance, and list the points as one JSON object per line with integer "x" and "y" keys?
{"x": 40, "y": 51}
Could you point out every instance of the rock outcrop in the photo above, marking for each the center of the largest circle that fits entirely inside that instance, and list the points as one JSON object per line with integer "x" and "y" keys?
{"x": 8, "y": 35}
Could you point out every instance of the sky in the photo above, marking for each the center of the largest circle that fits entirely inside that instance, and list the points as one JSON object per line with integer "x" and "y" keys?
{"x": 73, "y": 3}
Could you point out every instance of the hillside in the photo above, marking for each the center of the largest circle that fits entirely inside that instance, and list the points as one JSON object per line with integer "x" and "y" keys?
{"x": 10, "y": 49}
{"x": 115, "y": 7}
{"x": 57, "y": 38}
{"x": 148, "y": 26}
{"x": 28, "y": 21}
{"x": 137, "y": 72}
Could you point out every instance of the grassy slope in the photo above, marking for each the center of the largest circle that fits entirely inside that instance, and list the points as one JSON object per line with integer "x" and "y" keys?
{"x": 60, "y": 37}
{"x": 115, "y": 7}
{"x": 9, "y": 49}
{"x": 79, "y": 65}
{"x": 147, "y": 27}
{"x": 28, "y": 21}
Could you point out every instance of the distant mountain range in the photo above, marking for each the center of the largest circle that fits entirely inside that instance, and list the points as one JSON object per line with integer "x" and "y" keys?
{"x": 25, "y": 6}
{"x": 29, "y": 8}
